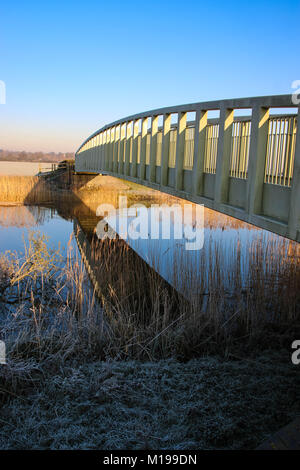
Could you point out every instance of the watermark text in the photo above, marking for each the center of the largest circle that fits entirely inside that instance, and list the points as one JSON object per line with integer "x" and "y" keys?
{"x": 2, "y": 353}
{"x": 296, "y": 94}
{"x": 296, "y": 353}
{"x": 166, "y": 222}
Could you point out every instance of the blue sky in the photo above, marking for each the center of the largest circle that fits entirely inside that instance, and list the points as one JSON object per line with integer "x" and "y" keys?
{"x": 71, "y": 67}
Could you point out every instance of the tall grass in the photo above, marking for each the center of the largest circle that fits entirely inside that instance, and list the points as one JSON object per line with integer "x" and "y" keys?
{"x": 220, "y": 308}
{"x": 24, "y": 189}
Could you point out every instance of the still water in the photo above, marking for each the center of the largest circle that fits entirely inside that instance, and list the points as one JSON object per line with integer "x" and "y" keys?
{"x": 17, "y": 221}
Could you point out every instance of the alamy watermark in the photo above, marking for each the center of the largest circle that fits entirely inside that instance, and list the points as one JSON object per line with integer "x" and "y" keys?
{"x": 175, "y": 222}
{"x": 2, "y": 353}
{"x": 296, "y": 353}
{"x": 296, "y": 94}
{"x": 2, "y": 92}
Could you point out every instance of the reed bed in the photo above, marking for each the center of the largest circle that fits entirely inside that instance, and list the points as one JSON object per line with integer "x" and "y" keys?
{"x": 248, "y": 302}
{"x": 24, "y": 190}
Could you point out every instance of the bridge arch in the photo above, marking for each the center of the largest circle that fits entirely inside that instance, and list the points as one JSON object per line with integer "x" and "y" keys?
{"x": 247, "y": 167}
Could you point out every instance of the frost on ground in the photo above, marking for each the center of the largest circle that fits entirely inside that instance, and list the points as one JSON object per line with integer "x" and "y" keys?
{"x": 206, "y": 403}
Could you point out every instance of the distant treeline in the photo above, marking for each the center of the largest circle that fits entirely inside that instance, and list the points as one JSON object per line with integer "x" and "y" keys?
{"x": 15, "y": 156}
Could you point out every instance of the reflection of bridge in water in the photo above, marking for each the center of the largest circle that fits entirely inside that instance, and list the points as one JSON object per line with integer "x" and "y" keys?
{"x": 230, "y": 246}
{"x": 247, "y": 167}
{"x": 117, "y": 271}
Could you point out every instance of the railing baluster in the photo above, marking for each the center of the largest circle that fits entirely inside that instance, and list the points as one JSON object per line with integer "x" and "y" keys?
{"x": 121, "y": 148}
{"x": 153, "y": 148}
{"x": 165, "y": 149}
{"x": 180, "y": 149}
{"x": 143, "y": 148}
{"x": 257, "y": 158}
{"x": 111, "y": 149}
{"x": 127, "y": 147}
{"x": 107, "y": 153}
{"x": 116, "y": 149}
{"x": 223, "y": 155}
{"x": 135, "y": 148}
{"x": 199, "y": 150}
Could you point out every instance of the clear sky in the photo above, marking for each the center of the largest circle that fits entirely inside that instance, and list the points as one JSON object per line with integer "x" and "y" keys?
{"x": 71, "y": 67}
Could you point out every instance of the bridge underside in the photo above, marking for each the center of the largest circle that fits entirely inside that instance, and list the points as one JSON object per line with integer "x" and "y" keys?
{"x": 262, "y": 221}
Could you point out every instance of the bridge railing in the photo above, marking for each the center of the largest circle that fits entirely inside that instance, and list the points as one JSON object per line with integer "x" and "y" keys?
{"x": 245, "y": 166}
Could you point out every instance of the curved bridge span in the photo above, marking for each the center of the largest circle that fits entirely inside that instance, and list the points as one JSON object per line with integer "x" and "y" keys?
{"x": 246, "y": 166}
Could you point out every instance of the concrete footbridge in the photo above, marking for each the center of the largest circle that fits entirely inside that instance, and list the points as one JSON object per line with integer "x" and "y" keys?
{"x": 240, "y": 157}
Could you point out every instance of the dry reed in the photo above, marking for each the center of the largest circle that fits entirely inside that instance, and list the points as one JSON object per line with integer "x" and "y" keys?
{"x": 24, "y": 190}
